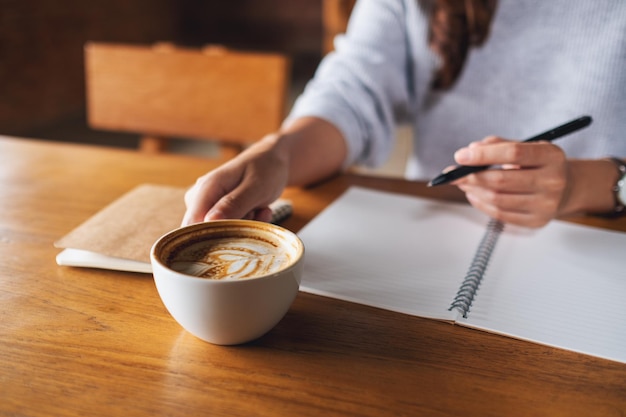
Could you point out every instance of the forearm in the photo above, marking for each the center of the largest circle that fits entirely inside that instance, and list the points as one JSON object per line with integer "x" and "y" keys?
{"x": 591, "y": 187}
{"x": 313, "y": 148}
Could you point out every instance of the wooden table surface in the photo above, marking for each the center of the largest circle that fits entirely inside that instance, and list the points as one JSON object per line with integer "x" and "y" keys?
{"x": 81, "y": 342}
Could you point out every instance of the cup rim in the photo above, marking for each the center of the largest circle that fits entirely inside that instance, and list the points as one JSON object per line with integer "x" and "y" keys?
{"x": 185, "y": 229}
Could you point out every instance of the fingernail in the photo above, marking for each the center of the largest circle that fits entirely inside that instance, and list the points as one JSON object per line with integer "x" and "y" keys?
{"x": 463, "y": 155}
{"x": 214, "y": 214}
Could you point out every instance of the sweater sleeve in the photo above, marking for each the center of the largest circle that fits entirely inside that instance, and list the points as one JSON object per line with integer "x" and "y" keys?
{"x": 363, "y": 86}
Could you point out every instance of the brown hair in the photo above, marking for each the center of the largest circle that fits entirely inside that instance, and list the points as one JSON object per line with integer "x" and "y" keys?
{"x": 455, "y": 26}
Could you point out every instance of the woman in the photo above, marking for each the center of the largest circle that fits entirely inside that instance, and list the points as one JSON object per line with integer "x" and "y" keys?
{"x": 459, "y": 72}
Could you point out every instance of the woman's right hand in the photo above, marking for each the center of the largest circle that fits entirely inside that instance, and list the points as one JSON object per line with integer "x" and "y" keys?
{"x": 241, "y": 188}
{"x": 307, "y": 151}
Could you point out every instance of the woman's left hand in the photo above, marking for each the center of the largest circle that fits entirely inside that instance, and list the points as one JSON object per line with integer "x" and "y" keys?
{"x": 528, "y": 190}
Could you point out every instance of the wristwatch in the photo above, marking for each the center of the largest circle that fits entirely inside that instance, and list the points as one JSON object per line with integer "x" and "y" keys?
{"x": 620, "y": 187}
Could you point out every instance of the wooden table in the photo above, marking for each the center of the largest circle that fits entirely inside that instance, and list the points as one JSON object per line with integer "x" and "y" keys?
{"x": 80, "y": 342}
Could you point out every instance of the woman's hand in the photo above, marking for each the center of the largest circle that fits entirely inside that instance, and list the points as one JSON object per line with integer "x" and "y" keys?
{"x": 529, "y": 190}
{"x": 307, "y": 151}
{"x": 241, "y": 188}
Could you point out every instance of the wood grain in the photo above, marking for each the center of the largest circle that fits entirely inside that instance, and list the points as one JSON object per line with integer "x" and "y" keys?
{"x": 80, "y": 342}
{"x": 230, "y": 97}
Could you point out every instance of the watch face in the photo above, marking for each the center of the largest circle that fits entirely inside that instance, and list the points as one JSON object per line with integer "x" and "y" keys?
{"x": 621, "y": 192}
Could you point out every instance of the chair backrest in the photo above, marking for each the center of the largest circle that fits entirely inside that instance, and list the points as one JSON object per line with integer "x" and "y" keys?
{"x": 162, "y": 91}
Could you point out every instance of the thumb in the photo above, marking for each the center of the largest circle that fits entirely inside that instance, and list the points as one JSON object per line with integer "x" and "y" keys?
{"x": 237, "y": 204}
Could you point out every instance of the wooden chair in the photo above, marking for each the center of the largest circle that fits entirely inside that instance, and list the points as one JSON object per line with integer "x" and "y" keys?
{"x": 163, "y": 92}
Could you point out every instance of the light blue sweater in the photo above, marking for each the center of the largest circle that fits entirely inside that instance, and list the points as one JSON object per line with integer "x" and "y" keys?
{"x": 545, "y": 63}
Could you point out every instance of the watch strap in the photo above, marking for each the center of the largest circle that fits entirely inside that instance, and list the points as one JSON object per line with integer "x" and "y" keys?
{"x": 620, "y": 184}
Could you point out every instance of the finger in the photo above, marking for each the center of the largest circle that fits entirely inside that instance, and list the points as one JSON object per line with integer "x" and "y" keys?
{"x": 516, "y": 216}
{"x": 263, "y": 214}
{"x": 502, "y": 152}
{"x": 487, "y": 141}
{"x": 465, "y": 155}
{"x": 540, "y": 204}
{"x": 244, "y": 199}
{"x": 198, "y": 199}
{"x": 205, "y": 193}
{"x": 226, "y": 207}
{"x": 509, "y": 180}
{"x": 551, "y": 179}
{"x": 198, "y": 204}
{"x": 449, "y": 168}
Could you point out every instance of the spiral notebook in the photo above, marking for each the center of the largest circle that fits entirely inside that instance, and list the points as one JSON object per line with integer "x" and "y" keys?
{"x": 563, "y": 285}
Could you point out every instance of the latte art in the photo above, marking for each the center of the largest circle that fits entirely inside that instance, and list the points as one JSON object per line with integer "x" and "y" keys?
{"x": 228, "y": 281}
{"x": 230, "y": 258}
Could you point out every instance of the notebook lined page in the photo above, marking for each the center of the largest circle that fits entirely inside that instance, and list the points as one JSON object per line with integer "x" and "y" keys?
{"x": 391, "y": 251}
{"x": 563, "y": 285}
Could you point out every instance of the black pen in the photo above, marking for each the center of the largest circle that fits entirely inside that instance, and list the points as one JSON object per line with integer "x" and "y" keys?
{"x": 550, "y": 135}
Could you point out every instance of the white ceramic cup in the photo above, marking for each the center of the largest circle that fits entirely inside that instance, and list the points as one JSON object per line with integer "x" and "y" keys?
{"x": 252, "y": 274}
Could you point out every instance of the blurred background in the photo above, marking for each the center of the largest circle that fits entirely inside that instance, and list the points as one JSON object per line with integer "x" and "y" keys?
{"x": 42, "y": 81}
{"x": 42, "y": 85}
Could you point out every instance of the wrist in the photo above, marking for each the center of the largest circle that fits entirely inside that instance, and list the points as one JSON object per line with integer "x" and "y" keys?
{"x": 315, "y": 149}
{"x": 619, "y": 188}
{"x": 590, "y": 187}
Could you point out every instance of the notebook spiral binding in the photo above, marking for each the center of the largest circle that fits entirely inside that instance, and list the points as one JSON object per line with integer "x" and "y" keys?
{"x": 465, "y": 295}
{"x": 281, "y": 209}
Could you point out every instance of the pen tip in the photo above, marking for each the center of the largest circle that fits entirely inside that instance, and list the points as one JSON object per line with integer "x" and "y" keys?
{"x": 441, "y": 179}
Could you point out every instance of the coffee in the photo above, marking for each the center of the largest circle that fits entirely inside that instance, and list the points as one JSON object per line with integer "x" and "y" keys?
{"x": 231, "y": 253}
{"x": 232, "y": 257}
{"x": 228, "y": 281}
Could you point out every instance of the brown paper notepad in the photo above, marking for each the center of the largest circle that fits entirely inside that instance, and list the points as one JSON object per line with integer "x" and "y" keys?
{"x": 120, "y": 236}
{"x": 125, "y": 229}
